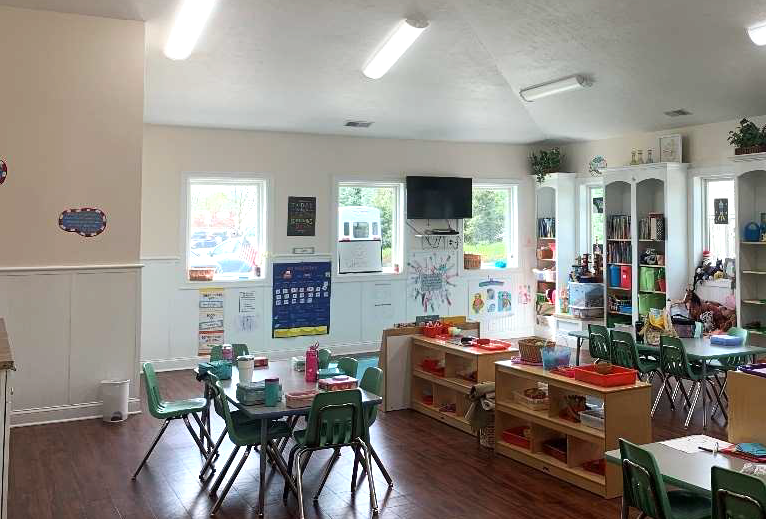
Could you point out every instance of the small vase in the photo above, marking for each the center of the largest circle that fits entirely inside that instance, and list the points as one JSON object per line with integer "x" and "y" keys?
{"x": 640, "y": 156}
{"x": 633, "y": 161}
{"x": 649, "y": 159}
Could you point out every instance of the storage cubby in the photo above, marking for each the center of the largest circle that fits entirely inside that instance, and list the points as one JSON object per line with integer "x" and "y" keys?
{"x": 751, "y": 257}
{"x": 626, "y": 415}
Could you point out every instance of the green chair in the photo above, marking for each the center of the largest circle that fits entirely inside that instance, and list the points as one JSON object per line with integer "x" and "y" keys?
{"x": 644, "y": 489}
{"x": 169, "y": 411}
{"x": 323, "y": 358}
{"x": 243, "y": 433}
{"x": 336, "y": 420}
{"x": 239, "y": 349}
{"x": 736, "y": 495}
{"x": 724, "y": 366}
{"x": 216, "y": 352}
{"x": 598, "y": 342}
{"x": 348, "y": 366}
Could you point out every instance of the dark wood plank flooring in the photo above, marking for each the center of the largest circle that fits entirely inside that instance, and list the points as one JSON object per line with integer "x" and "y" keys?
{"x": 82, "y": 470}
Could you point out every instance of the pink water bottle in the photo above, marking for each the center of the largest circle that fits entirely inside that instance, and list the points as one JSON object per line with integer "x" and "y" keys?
{"x": 312, "y": 364}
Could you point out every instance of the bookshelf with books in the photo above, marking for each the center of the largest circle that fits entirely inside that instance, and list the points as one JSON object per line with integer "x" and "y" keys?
{"x": 618, "y": 196}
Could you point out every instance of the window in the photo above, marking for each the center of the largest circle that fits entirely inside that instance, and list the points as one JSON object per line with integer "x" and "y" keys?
{"x": 596, "y": 218}
{"x": 720, "y": 225}
{"x": 373, "y": 211}
{"x": 226, "y": 228}
{"x": 492, "y": 230}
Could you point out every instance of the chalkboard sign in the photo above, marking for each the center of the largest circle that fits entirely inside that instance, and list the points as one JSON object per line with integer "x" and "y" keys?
{"x": 301, "y": 215}
{"x": 86, "y": 222}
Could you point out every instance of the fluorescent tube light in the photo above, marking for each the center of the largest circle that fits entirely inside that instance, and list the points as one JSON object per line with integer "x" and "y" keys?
{"x": 757, "y": 34}
{"x": 187, "y": 28}
{"x": 400, "y": 40}
{"x": 554, "y": 87}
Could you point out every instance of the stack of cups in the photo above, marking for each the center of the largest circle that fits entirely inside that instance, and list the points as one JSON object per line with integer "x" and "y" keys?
{"x": 245, "y": 366}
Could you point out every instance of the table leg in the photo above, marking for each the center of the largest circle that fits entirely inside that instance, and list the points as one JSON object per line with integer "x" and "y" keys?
{"x": 704, "y": 395}
{"x": 262, "y": 467}
{"x": 579, "y": 345}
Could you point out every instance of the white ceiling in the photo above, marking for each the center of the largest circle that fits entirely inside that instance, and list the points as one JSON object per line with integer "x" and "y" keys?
{"x": 295, "y": 65}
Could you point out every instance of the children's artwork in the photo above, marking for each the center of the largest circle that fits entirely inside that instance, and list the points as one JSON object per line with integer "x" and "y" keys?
{"x": 301, "y": 299}
{"x": 301, "y": 215}
{"x": 86, "y": 221}
{"x": 524, "y": 295}
{"x": 431, "y": 281}
{"x": 3, "y": 171}
{"x": 211, "y": 328}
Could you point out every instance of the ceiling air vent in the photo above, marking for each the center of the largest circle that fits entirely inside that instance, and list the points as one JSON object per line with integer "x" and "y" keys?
{"x": 359, "y": 124}
{"x": 677, "y": 113}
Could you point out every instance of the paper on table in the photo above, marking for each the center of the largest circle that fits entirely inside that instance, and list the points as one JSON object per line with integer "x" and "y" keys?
{"x": 692, "y": 444}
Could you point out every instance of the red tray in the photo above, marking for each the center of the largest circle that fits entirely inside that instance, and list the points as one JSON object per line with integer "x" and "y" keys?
{"x": 618, "y": 377}
{"x": 595, "y": 466}
{"x": 564, "y": 372}
{"x": 515, "y": 436}
{"x": 556, "y": 447}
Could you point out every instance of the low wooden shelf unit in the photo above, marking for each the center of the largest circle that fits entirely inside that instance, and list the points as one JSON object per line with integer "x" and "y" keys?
{"x": 626, "y": 415}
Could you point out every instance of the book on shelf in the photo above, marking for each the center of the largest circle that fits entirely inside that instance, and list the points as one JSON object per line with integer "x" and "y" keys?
{"x": 546, "y": 227}
{"x": 652, "y": 227}
{"x": 619, "y": 252}
{"x": 618, "y": 227}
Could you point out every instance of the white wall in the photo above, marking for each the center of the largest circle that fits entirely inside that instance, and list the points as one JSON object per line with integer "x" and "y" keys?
{"x": 72, "y": 105}
{"x": 301, "y": 165}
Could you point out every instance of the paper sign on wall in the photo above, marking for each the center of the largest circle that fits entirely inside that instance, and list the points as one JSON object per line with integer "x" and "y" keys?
{"x": 247, "y": 301}
{"x": 489, "y": 299}
{"x": 211, "y": 323}
{"x": 86, "y": 221}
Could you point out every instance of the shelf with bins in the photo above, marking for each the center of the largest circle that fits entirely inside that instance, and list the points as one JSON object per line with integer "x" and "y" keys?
{"x": 443, "y": 395}
{"x": 626, "y": 415}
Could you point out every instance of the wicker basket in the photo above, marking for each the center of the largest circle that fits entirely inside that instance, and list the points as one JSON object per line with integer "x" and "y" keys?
{"x": 201, "y": 273}
{"x": 529, "y": 349}
{"x": 472, "y": 261}
{"x": 487, "y": 434}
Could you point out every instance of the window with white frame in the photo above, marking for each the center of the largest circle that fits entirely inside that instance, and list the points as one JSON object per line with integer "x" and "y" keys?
{"x": 226, "y": 228}
{"x": 595, "y": 218}
{"x": 492, "y": 232}
{"x": 720, "y": 226}
{"x": 373, "y": 211}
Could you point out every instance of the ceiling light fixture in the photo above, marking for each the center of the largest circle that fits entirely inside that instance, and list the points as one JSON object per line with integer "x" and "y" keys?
{"x": 400, "y": 40}
{"x": 553, "y": 87}
{"x": 757, "y": 34}
{"x": 187, "y": 28}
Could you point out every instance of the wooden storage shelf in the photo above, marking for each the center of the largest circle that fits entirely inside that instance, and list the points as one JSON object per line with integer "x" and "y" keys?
{"x": 753, "y": 302}
{"x": 449, "y": 389}
{"x": 653, "y": 266}
{"x": 627, "y": 415}
{"x": 756, "y": 272}
{"x": 651, "y": 291}
{"x": 618, "y": 263}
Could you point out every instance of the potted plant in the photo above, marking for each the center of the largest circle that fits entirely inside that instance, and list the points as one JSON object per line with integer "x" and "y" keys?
{"x": 748, "y": 138}
{"x": 544, "y": 163}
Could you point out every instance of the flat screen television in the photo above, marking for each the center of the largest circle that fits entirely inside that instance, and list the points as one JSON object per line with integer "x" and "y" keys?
{"x": 439, "y": 197}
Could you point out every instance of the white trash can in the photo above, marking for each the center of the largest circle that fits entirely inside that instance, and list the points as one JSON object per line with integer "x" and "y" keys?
{"x": 114, "y": 397}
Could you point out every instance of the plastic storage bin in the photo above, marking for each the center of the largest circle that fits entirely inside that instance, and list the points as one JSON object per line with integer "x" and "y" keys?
{"x": 555, "y": 357}
{"x": 586, "y": 295}
{"x": 593, "y": 418}
{"x": 626, "y": 276}
{"x": 614, "y": 275}
{"x": 618, "y": 377}
{"x": 647, "y": 278}
{"x": 648, "y": 301}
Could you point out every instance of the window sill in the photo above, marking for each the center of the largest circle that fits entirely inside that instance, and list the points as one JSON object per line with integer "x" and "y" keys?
{"x": 484, "y": 271}
{"x": 355, "y": 278}
{"x": 224, "y": 283}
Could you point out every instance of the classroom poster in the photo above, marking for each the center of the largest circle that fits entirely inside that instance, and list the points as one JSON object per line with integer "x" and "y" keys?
{"x": 489, "y": 299}
{"x": 721, "y": 207}
{"x": 210, "y": 330}
{"x": 301, "y": 299}
{"x": 431, "y": 282}
{"x": 301, "y": 215}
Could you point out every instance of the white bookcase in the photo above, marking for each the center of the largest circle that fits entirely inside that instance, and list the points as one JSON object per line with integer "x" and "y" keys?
{"x": 636, "y": 192}
{"x": 750, "y": 192}
{"x": 555, "y": 198}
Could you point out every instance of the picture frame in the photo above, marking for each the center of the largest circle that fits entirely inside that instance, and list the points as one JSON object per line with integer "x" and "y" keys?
{"x": 671, "y": 149}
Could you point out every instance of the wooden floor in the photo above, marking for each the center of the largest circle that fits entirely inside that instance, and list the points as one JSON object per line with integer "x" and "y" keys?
{"x": 82, "y": 470}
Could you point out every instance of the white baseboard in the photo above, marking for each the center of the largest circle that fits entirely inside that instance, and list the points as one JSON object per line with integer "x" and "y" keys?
{"x": 64, "y": 413}
{"x": 337, "y": 349}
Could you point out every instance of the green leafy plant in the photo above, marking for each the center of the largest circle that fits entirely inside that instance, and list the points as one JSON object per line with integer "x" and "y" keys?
{"x": 747, "y": 134}
{"x": 545, "y": 162}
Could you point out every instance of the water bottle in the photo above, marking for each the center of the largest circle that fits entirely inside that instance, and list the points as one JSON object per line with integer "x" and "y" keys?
{"x": 312, "y": 364}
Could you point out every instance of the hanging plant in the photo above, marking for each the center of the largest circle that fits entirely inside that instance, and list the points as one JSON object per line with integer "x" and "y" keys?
{"x": 748, "y": 138}
{"x": 544, "y": 163}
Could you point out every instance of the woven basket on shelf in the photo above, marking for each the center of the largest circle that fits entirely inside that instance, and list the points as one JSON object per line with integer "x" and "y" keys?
{"x": 529, "y": 348}
{"x": 471, "y": 261}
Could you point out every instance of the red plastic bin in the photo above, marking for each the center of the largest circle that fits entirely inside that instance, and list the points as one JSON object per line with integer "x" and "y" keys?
{"x": 515, "y": 436}
{"x": 626, "y": 276}
{"x": 618, "y": 377}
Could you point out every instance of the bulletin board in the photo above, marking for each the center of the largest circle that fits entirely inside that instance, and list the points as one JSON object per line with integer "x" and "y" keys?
{"x": 301, "y": 299}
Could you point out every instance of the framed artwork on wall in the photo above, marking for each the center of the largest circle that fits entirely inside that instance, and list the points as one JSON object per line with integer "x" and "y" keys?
{"x": 670, "y": 148}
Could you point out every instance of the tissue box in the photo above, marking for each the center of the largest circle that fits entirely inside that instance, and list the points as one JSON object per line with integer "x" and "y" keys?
{"x": 338, "y": 383}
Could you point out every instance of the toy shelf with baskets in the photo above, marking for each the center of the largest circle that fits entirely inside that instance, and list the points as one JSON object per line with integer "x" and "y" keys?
{"x": 557, "y": 445}
{"x": 441, "y": 377}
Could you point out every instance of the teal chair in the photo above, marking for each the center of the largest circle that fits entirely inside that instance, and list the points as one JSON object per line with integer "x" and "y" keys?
{"x": 238, "y": 350}
{"x": 598, "y": 342}
{"x": 323, "y": 358}
{"x": 169, "y": 411}
{"x": 624, "y": 352}
{"x": 644, "y": 489}
{"x": 348, "y": 366}
{"x": 216, "y": 352}
{"x": 722, "y": 367}
{"x": 244, "y": 433}
{"x": 736, "y": 495}
{"x": 336, "y": 420}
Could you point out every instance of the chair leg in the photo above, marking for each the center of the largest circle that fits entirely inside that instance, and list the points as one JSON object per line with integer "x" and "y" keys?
{"x": 659, "y": 395}
{"x": 380, "y": 466}
{"x": 211, "y": 457}
{"x": 224, "y": 470}
{"x": 327, "y": 470}
{"x": 370, "y": 480}
{"x": 719, "y": 405}
{"x": 204, "y": 433}
{"x": 696, "y": 389}
{"x": 154, "y": 444}
{"x": 356, "y": 465}
{"x": 231, "y": 480}
{"x": 683, "y": 392}
{"x": 667, "y": 393}
{"x": 196, "y": 438}
{"x": 299, "y": 482}
{"x": 290, "y": 461}
{"x": 273, "y": 452}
